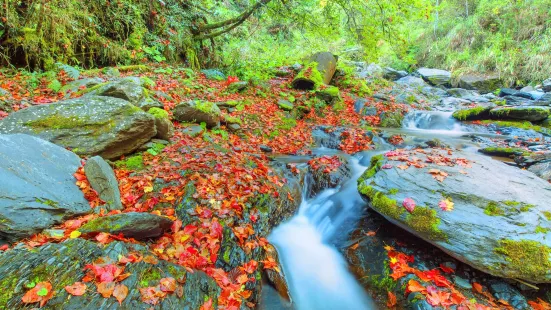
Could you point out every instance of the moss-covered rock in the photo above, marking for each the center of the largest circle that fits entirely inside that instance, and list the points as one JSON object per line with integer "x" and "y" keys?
{"x": 472, "y": 114}
{"x": 330, "y": 95}
{"x": 480, "y": 216}
{"x": 308, "y": 78}
{"x": 198, "y": 111}
{"x": 135, "y": 225}
{"x": 522, "y": 113}
{"x": 503, "y": 151}
{"x": 163, "y": 125}
{"x": 92, "y": 125}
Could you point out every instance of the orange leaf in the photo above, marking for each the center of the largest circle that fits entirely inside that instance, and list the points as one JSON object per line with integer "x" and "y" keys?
{"x": 477, "y": 287}
{"x": 168, "y": 285}
{"x": 42, "y": 292}
{"x": 414, "y": 286}
{"x": 106, "y": 289}
{"x": 120, "y": 292}
{"x": 77, "y": 289}
{"x": 391, "y": 300}
{"x": 150, "y": 260}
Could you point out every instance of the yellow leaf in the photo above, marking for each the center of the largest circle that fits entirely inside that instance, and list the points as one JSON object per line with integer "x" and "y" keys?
{"x": 148, "y": 189}
{"x": 75, "y": 234}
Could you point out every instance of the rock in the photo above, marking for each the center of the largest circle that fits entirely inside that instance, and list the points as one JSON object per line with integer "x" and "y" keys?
{"x": 193, "y": 131}
{"x": 393, "y": 75}
{"x": 472, "y": 114}
{"x": 524, "y": 95}
{"x": 213, "y": 74}
{"x": 135, "y": 225}
{"x": 112, "y": 72}
{"x": 435, "y": 77}
{"x": 198, "y": 111}
{"x": 234, "y": 127}
{"x": 369, "y": 111}
{"x": 75, "y": 86}
{"x": 462, "y": 93}
{"x": 546, "y": 85}
{"x": 504, "y": 291}
{"x": 266, "y": 149}
{"x": 517, "y": 101}
{"x": 93, "y": 125}
{"x": 525, "y": 113}
{"x": 507, "y": 92}
{"x": 502, "y": 151}
{"x": 165, "y": 128}
{"x": 392, "y": 119}
{"x": 129, "y": 89}
{"x": 542, "y": 170}
{"x": 545, "y": 99}
{"x": 38, "y": 188}
{"x": 359, "y": 104}
{"x": 483, "y": 83}
{"x": 496, "y": 213}
{"x": 537, "y": 95}
{"x": 324, "y": 180}
{"x": 282, "y": 72}
{"x": 103, "y": 180}
{"x": 237, "y": 87}
{"x": 285, "y": 105}
{"x": 63, "y": 264}
{"x": 330, "y": 95}
{"x": 412, "y": 81}
{"x": 430, "y": 91}
{"x": 319, "y": 70}
{"x": 147, "y": 103}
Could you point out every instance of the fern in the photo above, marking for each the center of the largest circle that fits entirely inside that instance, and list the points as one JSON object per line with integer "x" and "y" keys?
{"x": 71, "y": 71}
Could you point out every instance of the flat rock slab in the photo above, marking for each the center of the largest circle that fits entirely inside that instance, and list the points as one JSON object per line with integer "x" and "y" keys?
{"x": 500, "y": 221}
{"x": 93, "y": 125}
{"x": 103, "y": 180}
{"x": 63, "y": 264}
{"x": 525, "y": 113}
{"x": 38, "y": 188}
{"x": 435, "y": 76}
{"x": 132, "y": 225}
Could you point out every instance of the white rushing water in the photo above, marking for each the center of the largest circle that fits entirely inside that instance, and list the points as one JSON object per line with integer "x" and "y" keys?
{"x": 316, "y": 272}
{"x": 432, "y": 121}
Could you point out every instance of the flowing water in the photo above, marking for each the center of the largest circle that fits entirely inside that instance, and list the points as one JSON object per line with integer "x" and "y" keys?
{"x": 316, "y": 272}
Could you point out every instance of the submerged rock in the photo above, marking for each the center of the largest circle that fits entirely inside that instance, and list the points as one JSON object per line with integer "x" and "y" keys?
{"x": 94, "y": 125}
{"x": 103, "y": 180}
{"x": 498, "y": 220}
{"x": 198, "y": 111}
{"x": 63, "y": 264}
{"x": 38, "y": 188}
{"x": 135, "y": 225}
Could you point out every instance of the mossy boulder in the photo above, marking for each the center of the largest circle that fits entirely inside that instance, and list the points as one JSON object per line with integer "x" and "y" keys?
{"x": 132, "y": 225}
{"x": 330, "y": 95}
{"x": 471, "y": 114}
{"x": 435, "y": 77}
{"x": 63, "y": 264}
{"x": 132, "y": 89}
{"x": 79, "y": 85}
{"x": 496, "y": 208}
{"x": 319, "y": 70}
{"x": 523, "y": 113}
{"x": 95, "y": 125}
{"x": 503, "y": 151}
{"x": 285, "y": 105}
{"x": 38, "y": 188}
{"x": 237, "y": 87}
{"x": 213, "y": 74}
{"x": 165, "y": 128}
{"x": 392, "y": 119}
{"x": 198, "y": 111}
{"x": 483, "y": 83}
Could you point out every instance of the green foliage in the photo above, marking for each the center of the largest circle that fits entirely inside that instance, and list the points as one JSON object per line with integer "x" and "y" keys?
{"x": 55, "y": 85}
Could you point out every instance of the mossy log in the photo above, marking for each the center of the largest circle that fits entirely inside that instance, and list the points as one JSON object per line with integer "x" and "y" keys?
{"x": 320, "y": 70}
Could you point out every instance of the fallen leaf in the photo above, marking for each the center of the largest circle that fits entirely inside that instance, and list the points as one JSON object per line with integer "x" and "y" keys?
{"x": 106, "y": 289}
{"x": 150, "y": 260}
{"x": 414, "y": 286}
{"x": 168, "y": 285}
{"x": 77, "y": 289}
{"x": 42, "y": 292}
{"x": 409, "y": 204}
{"x": 446, "y": 205}
{"x": 120, "y": 292}
{"x": 75, "y": 234}
{"x": 477, "y": 287}
{"x": 391, "y": 300}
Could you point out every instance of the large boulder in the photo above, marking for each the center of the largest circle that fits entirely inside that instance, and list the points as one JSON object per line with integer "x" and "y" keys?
{"x": 135, "y": 225}
{"x": 489, "y": 215}
{"x": 546, "y": 85}
{"x": 38, "y": 188}
{"x": 198, "y": 111}
{"x": 435, "y": 77}
{"x": 524, "y": 113}
{"x": 412, "y": 81}
{"x": 392, "y": 74}
{"x": 94, "y": 125}
{"x": 165, "y": 128}
{"x": 103, "y": 180}
{"x": 483, "y": 83}
{"x": 64, "y": 264}
{"x": 132, "y": 89}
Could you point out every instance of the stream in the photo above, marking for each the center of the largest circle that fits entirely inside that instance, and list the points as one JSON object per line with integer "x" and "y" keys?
{"x": 316, "y": 271}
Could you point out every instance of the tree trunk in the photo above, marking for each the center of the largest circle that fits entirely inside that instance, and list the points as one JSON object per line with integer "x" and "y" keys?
{"x": 313, "y": 75}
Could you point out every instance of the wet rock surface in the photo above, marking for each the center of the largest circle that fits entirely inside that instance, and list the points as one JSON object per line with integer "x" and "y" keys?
{"x": 38, "y": 188}
{"x": 131, "y": 225}
{"x": 103, "y": 180}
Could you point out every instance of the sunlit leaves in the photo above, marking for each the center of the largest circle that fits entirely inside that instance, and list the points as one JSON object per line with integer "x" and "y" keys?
{"x": 41, "y": 293}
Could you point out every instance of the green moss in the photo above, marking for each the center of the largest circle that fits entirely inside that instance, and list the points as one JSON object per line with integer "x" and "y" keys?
{"x": 425, "y": 220}
{"x": 207, "y": 107}
{"x": 57, "y": 121}
{"x": 132, "y": 163}
{"x": 233, "y": 120}
{"x": 530, "y": 259}
{"x": 90, "y": 89}
{"x": 375, "y": 165}
{"x": 541, "y": 230}
{"x": 309, "y": 74}
{"x": 547, "y": 215}
{"x": 470, "y": 114}
{"x": 493, "y": 209}
{"x": 158, "y": 113}
{"x": 226, "y": 255}
{"x": 521, "y": 125}
{"x": 393, "y": 191}
{"x": 150, "y": 277}
{"x": 504, "y": 151}
{"x": 380, "y": 202}
{"x": 526, "y": 207}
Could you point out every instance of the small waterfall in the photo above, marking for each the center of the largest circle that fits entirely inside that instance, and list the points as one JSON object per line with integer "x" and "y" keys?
{"x": 317, "y": 274}
{"x": 432, "y": 120}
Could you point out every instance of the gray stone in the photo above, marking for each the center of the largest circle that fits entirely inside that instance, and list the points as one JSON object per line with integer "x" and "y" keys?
{"x": 237, "y": 87}
{"x": 504, "y": 291}
{"x": 213, "y": 74}
{"x": 507, "y": 92}
{"x": 285, "y": 105}
{"x": 193, "y": 131}
{"x": 148, "y": 103}
{"x": 524, "y": 113}
{"x": 198, "y": 111}
{"x": 135, "y": 225}
{"x": 496, "y": 210}
{"x": 542, "y": 170}
{"x": 103, "y": 180}
{"x": 38, "y": 188}
{"x": 412, "y": 81}
{"x": 75, "y": 86}
{"x": 462, "y": 93}
{"x": 462, "y": 283}
{"x": 369, "y": 111}
{"x": 129, "y": 89}
{"x": 435, "y": 77}
{"x": 65, "y": 262}
{"x": 527, "y": 89}
{"x": 359, "y": 104}
{"x": 483, "y": 83}
{"x": 94, "y": 125}
{"x": 393, "y": 75}
{"x": 234, "y": 127}
{"x": 546, "y": 85}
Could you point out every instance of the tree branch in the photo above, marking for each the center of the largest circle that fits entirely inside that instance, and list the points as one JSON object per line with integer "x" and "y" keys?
{"x": 236, "y": 20}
